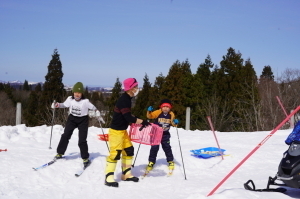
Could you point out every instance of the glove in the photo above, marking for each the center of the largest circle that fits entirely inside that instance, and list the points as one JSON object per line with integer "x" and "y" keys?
{"x": 176, "y": 121}
{"x": 91, "y": 113}
{"x": 55, "y": 105}
{"x": 150, "y": 108}
{"x": 144, "y": 124}
{"x": 97, "y": 113}
{"x": 99, "y": 117}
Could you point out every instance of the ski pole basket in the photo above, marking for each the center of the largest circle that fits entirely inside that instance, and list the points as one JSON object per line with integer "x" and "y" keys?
{"x": 149, "y": 135}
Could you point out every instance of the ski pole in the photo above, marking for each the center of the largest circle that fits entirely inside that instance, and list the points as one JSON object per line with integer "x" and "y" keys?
{"x": 3, "y": 150}
{"x": 141, "y": 128}
{"x": 103, "y": 134}
{"x": 52, "y": 123}
{"x": 181, "y": 153}
{"x": 213, "y": 130}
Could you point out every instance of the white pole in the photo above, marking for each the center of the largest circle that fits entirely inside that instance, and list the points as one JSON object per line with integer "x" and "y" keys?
{"x": 292, "y": 121}
{"x": 18, "y": 113}
{"x": 187, "y": 118}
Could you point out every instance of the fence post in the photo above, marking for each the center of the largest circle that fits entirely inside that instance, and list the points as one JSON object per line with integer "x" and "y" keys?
{"x": 18, "y": 113}
{"x": 187, "y": 118}
{"x": 292, "y": 121}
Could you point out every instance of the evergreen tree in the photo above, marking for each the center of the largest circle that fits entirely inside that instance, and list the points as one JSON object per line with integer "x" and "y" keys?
{"x": 177, "y": 88}
{"x": 203, "y": 85}
{"x": 2, "y": 87}
{"x": 111, "y": 101}
{"x": 95, "y": 97}
{"x": 156, "y": 91}
{"x": 231, "y": 65}
{"x": 26, "y": 86}
{"x": 101, "y": 98}
{"x": 249, "y": 98}
{"x": 214, "y": 105}
{"x": 142, "y": 100}
{"x": 30, "y": 113}
{"x": 86, "y": 93}
{"x": 9, "y": 91}
{"x": 267, "y": 73}
{"x": 53, "y": 89}
{"x": 38, "y": 88}
{"x": 204, "y": 75}
{"x": 235, "y": 78}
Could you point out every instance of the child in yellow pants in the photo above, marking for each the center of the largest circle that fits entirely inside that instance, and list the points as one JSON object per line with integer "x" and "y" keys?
{"x": 119, "y": 140}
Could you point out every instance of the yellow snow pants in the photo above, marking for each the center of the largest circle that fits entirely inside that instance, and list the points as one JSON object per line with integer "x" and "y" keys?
{"x": 119, "y": 143}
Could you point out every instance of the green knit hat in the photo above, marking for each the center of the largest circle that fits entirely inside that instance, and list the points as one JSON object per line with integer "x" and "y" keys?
{"x": 78, "y": 87}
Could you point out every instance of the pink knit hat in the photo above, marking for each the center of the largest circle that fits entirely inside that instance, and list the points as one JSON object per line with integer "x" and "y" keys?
{"x": 129, "y": 83}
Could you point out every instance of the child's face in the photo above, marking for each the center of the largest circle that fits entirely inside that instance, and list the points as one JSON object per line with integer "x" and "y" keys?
{"x": 165, "y": 109}
{"x": 77, "y": 95}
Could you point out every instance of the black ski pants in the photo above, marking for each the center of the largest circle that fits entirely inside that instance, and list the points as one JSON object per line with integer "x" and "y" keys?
{"x": 165, "y": 144}
{"x": 82, "y": 123}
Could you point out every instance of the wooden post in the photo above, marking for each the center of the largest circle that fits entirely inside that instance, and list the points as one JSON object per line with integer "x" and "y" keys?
{"x": 187, "y": 118}
{"x": 18, "y": 113}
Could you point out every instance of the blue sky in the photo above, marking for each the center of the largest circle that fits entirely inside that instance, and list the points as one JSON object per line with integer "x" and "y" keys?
{"x": 102, "y": 40}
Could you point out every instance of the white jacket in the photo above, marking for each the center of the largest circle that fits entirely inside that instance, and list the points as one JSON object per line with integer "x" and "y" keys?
{"x": 78, "y": 108}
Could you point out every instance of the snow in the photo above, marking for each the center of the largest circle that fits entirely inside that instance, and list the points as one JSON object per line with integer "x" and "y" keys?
{"x": 28, "y": 147}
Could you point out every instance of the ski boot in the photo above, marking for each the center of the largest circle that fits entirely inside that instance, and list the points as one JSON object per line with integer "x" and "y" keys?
{"x": 109, "y": 173}
{"x": 171, "y": 165}
{"x": 58, "y": 156}
{"x": 126, "y": 170}
{"x": 150, "y": 166}
{"x": 86, "y": 162}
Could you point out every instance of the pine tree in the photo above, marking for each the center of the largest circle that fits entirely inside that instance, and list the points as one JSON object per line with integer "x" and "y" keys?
{"x": 142, "y": 100}
{"x": 9, "y": 91}
{"x": 235, "y": 78}
{"x": 204, "y": 74}
{"x": 156, "y": 91}
{"x": 30, "y": 113}
{"x": 249, "y": 98}
{"x": 267, "y": 73}
{"x": 1, "y": 87}
{"x": 38, "y": 88}
{"x": 203, "y": 83}
{"x": 87, "y": 93}
{"x": 53, "y": 89}
{"x": 177, "y": 88}
{"x": 111, "y": 101}
{"x": 101, "y": 98}
{"x": 95, "y": 97}
{"x": 26, "y": 86}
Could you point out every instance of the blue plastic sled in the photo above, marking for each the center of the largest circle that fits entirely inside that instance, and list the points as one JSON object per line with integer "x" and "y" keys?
{"x": 208, "y": 152}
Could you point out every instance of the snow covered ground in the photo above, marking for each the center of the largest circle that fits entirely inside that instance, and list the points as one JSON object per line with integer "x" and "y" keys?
{"x": 28, "y": 147}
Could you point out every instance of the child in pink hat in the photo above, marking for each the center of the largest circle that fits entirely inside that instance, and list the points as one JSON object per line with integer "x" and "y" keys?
{"x": 119, "y": 141}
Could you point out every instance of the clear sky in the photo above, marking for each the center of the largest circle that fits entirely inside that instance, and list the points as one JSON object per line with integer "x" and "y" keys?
{"x": 102, "y": 40}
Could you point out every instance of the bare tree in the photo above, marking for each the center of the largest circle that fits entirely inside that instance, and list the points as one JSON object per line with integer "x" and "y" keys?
{"x": 7, "y": 110}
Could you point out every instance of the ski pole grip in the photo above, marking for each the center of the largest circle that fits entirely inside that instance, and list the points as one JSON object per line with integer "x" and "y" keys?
{"x": 141, "y": 128}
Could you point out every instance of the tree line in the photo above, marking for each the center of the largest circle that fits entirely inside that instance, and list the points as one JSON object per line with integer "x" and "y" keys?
{"x": 235, "y": 97}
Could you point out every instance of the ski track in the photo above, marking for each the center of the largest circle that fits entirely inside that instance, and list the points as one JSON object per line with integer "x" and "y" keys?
{"x": 28, "y": 147}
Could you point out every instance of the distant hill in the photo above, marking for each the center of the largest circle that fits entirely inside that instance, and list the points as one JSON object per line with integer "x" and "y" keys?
{"x": 17, "y": 84}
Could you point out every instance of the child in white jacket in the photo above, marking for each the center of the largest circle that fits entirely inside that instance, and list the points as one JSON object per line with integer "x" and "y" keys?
{"x": 79, "y": 108}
